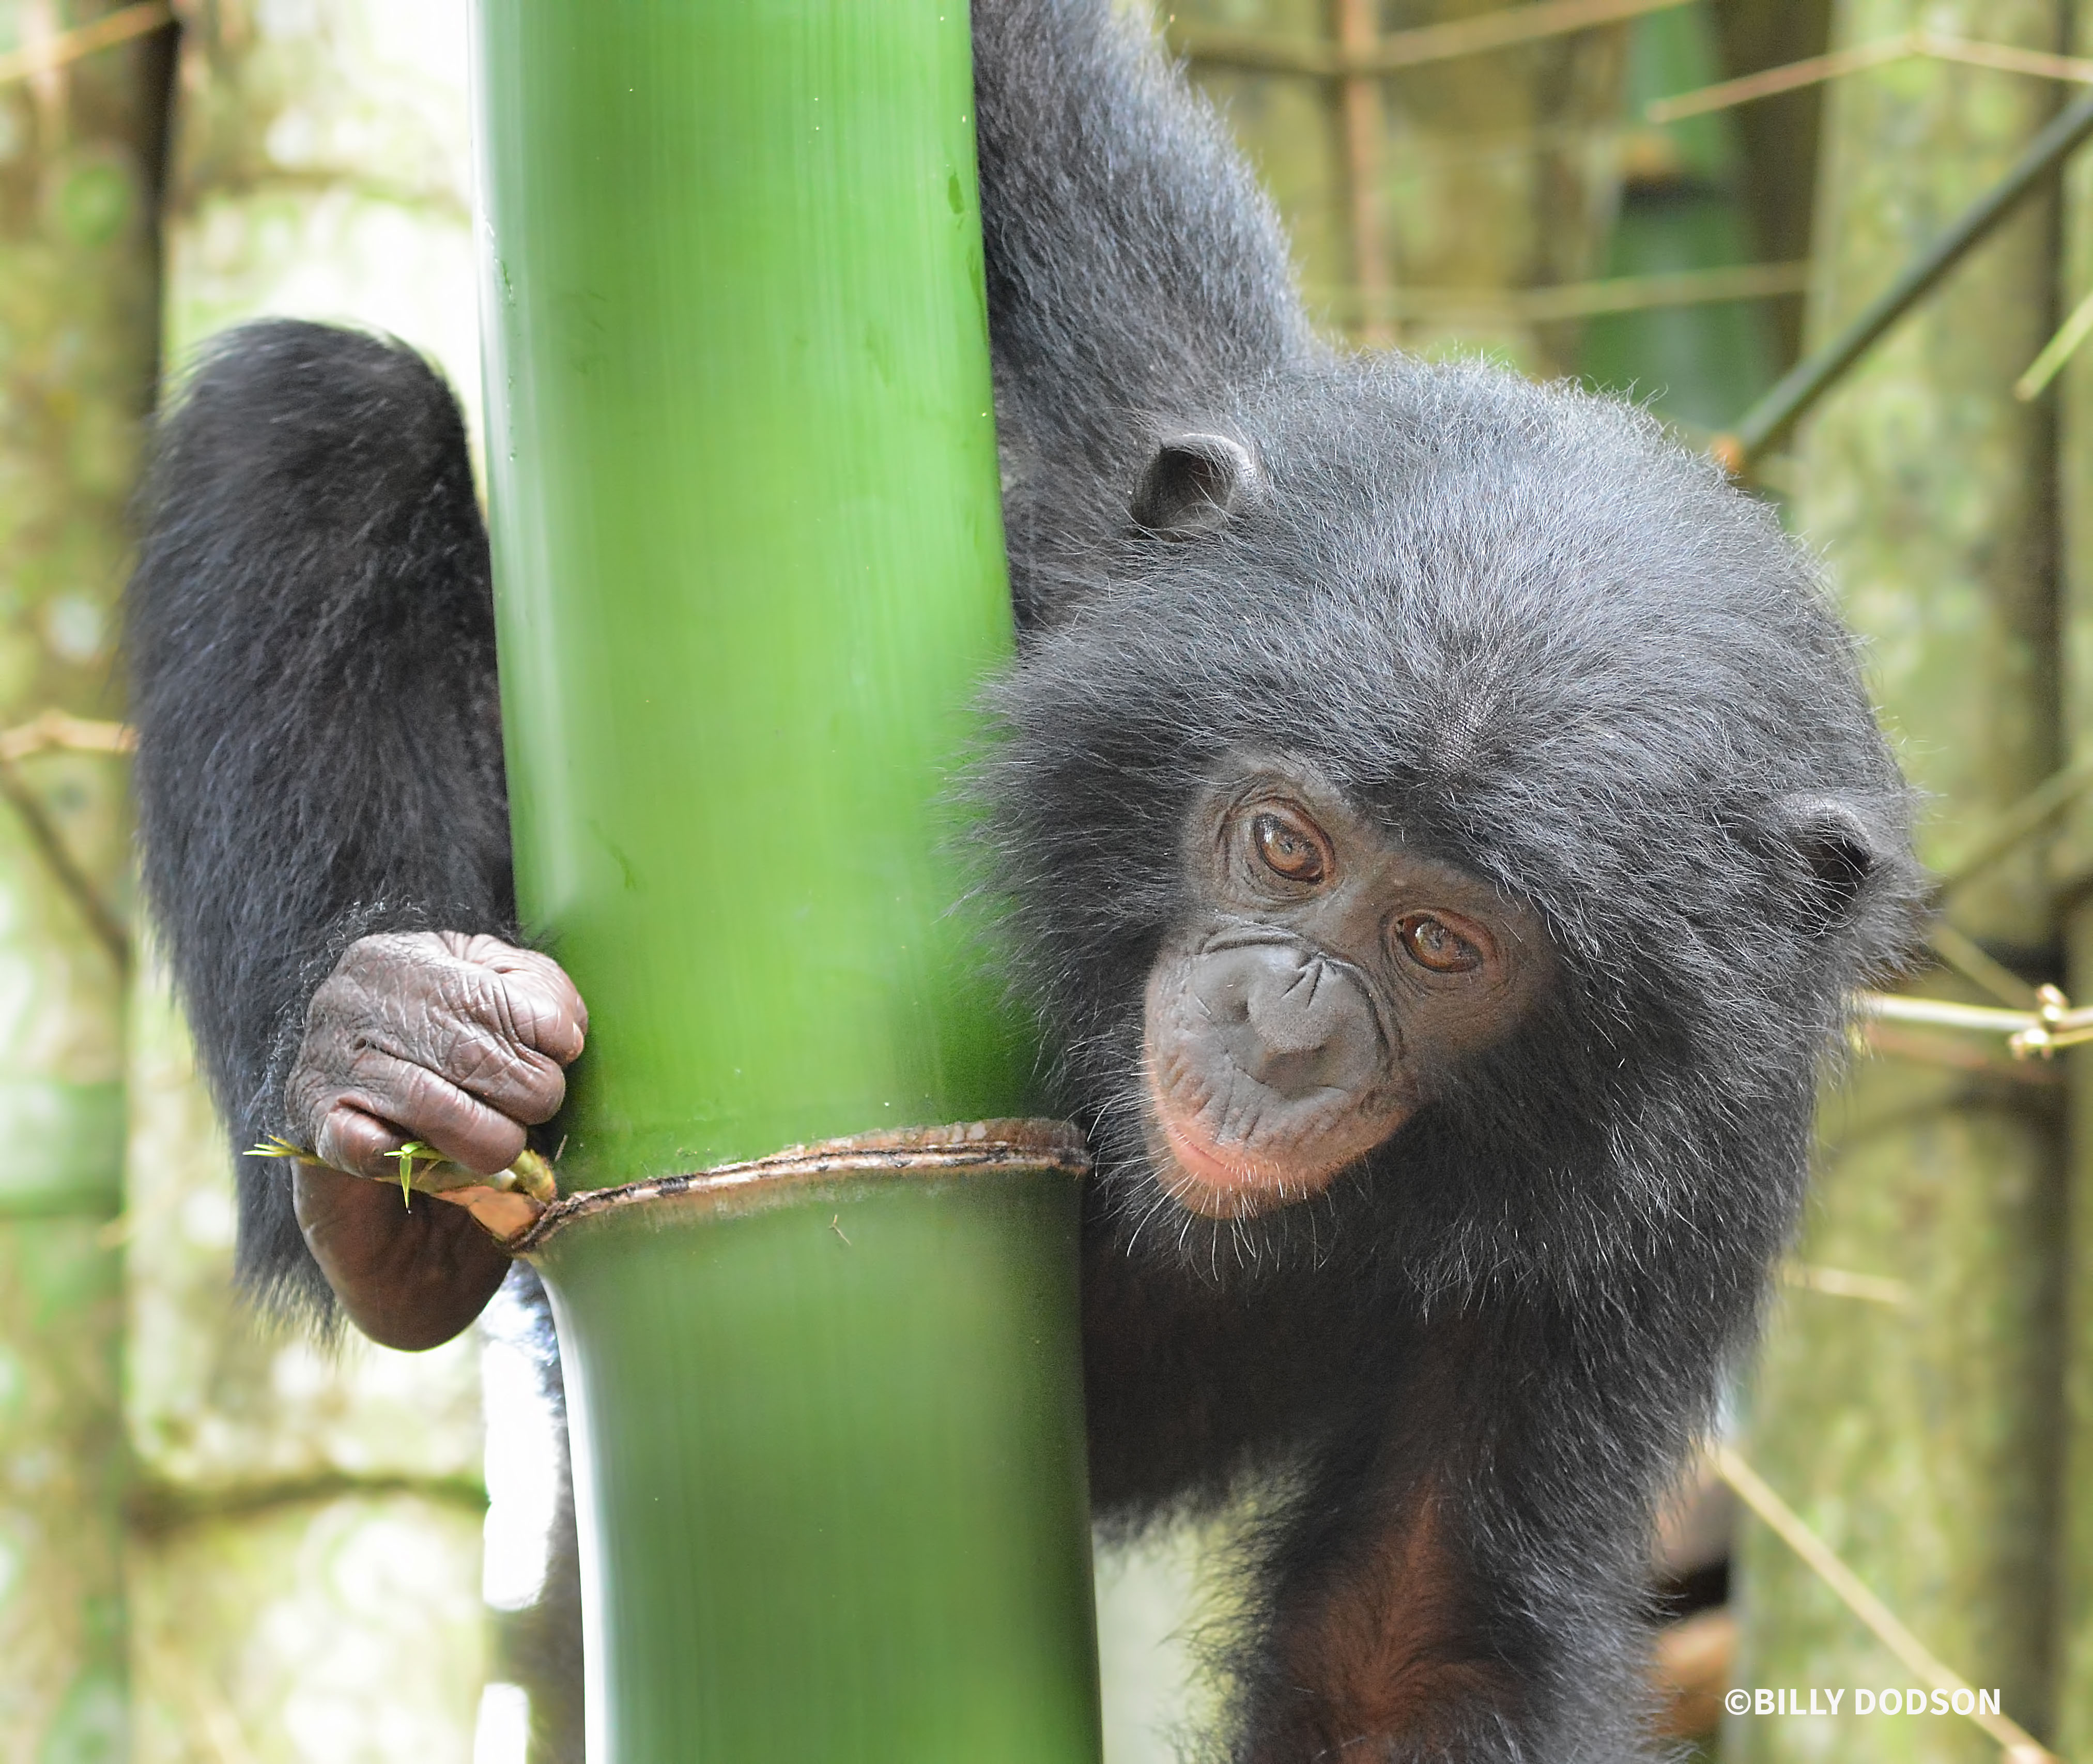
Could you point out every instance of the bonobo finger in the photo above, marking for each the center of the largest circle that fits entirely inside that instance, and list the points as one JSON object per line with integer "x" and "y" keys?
{"x": 474, "y": 1048}
{"x": 425, "y": 1107}
{"x": 544, "y": 1008}
{"x": 451, "y": 1017}
{"x": 349, "y": 1140}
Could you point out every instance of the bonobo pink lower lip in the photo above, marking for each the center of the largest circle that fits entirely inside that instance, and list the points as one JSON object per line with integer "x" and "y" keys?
{"x": 1205, "y": 1181}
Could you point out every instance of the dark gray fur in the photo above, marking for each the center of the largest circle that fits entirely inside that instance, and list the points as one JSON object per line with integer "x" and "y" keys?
{"x": 1532, "y": 636}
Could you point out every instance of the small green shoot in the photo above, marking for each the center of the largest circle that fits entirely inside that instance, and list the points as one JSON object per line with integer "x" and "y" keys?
{"x": 405, "y": 1158}
{"x": 274, "y": 1147}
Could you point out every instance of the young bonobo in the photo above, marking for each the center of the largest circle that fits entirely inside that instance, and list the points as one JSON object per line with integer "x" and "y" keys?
{"x": 1442, "y": 824}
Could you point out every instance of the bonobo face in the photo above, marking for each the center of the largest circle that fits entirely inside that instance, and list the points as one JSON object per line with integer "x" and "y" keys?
{"x": 1319, "y": 985}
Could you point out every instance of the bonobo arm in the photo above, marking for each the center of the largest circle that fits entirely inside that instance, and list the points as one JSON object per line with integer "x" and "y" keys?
{"x": 310, "y": 640}
{"x": 1190, "y": 1383}
{"x": 1134, "y": 266}
{"x": 1463, "y": 1571}
{"x": 1138, "y": 279}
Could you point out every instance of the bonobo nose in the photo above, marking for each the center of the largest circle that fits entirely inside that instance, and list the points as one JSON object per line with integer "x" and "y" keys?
{"x": 1291, "y": 1020}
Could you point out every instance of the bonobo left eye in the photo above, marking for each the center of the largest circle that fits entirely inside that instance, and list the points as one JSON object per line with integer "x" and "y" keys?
{"x": 1289, "y": 847}
{"x": 1430, "y": 942}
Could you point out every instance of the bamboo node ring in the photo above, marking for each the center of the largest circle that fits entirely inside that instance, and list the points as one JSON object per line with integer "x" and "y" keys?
{"x": 959, "y": 1148}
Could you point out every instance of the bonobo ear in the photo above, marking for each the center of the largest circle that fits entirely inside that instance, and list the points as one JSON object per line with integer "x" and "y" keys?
{"x": 1837, "y": 850}
{"x": 1193, "y": 485}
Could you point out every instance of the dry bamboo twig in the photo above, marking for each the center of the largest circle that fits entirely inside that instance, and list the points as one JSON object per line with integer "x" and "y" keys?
{"x": 1581, "y": 299}
{"x": 2002, "y": 58}
{"x": 2052, "y": 1025}
{"x": 2018, "y": 1746}
{"x": 1843, "y": 1283}
{"x": 50, "y": 52}
{"x": 78, "y": 885}
{"x": 1956, "y": 1053}
{"x": 1506, "y": 30}
{"x": 54, "y": 730}
{"x": 1358, "y": 107}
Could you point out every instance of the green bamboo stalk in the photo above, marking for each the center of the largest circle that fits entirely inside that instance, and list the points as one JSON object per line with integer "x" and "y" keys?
{"x": 1917, "y": 1441}
{"x": 1682, "y": 210}
{"x": 1778, "y": 135}
{"x": 749, "y": 554}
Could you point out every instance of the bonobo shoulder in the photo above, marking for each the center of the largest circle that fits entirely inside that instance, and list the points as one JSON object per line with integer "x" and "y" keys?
{"x": 359, "y": 424}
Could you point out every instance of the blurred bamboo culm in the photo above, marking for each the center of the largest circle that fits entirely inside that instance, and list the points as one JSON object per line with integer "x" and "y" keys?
{"x": 1683, "y": 212}
{"x": 1470, "y": 177}
{"x": 2070, "y": 873}
{"x": 1919, "y": 1441}
{"x": 79, "y": 171}
{"x": 306, "y": 1569}
{"x": 743, "y": 486}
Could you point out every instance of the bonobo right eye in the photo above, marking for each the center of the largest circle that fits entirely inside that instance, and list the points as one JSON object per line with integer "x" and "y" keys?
{"x": 1290, "y": 845}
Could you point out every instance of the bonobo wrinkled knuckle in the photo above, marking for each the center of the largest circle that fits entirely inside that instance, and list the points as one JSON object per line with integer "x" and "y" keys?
{"x": 543, "y": 1018}
{"x": 458, "y": 986}
{"x": 340, "y": 999}
{"x": 499, "y": 1072}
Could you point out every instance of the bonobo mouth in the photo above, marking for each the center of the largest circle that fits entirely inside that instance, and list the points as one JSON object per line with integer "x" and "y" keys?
{"x": 1267, "y": 1073}
{"x": 1219, "y": 1181}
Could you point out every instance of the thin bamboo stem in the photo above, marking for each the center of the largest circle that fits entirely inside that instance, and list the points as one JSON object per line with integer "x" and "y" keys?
{"x": 2019, "y": 821}
{"x": 1511, "y": 28}
{"x": 2018, "y": 1746}
{"x": 1580, "y": 300}
{"x": 2059, "y": 349}
{"x": 1360, "y": 126}
{"x": 2001, "y": 58}
{"x": 78, "y": 885}
{"x": 1798, "y": 392}
{"x": 1843, "y": 1283}
{"x": 1970, "y": 958}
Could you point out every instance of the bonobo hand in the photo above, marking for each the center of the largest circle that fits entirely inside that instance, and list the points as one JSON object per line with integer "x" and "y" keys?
{"x": 458, "y": 1042}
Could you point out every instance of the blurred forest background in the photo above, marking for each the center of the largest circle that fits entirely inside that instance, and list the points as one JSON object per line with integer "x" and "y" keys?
{"x": 216, "y": 1544}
